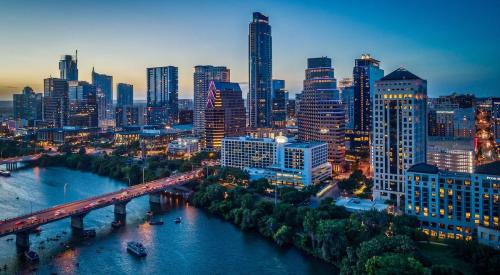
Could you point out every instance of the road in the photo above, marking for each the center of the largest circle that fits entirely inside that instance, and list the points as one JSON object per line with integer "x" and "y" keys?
{"x": 82, "y": 207}
{"x": 24, "y": 158}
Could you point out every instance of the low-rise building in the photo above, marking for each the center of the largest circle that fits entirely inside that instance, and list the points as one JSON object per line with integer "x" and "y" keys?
{"x": 184, "y": 147}
{"x": 451, "y": 154}
{"x": 68, "y": 134}
{"x": 279, "y": 160}
{"x": 456, "y": 205}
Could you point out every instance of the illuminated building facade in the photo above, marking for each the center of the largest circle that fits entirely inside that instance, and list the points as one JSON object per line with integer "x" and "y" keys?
{"x": 127, "y": 115}
{"x": 55, "y": 102}
{"x": 281, "y": 161}
{"x": 451, "y": 154}
{"x": 202, "y": 77}
{"x": 321, "y": 116}
{"x": 456, "y": 205}
{"x": 365, "y": 72}
{"x": 162, "y": 95}
{"x": 260, "y": 72}
{"x": 224, "y": 114}
{"x": 27, "y": 105}
{"x": 279, "y": 101}
{"x": 399, "y": 131}
{"x": 83, "y": 109}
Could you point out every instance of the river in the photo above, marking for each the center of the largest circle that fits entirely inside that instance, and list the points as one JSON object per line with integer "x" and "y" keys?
{"x": 201, "y": 244}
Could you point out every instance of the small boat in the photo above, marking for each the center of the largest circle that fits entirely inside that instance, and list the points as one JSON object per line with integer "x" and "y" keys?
{"x": 178, "y": 220}
{"x": 116, "y": 224}
{"x": 156, "y": 222}
{"x": 31, "y": 256}
{"x": 149, "y": 213}
{"x": 136, "y": 248}
{"x": 4, "y": 173}
{"x": 89, "y": 233}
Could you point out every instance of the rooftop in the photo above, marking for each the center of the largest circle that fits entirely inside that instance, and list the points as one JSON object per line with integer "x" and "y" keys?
{"x": 492, "y": 168}
{"x": 359, "y": 205}
{"x": 400, "y": 74}
{"x": 424, "y": 168}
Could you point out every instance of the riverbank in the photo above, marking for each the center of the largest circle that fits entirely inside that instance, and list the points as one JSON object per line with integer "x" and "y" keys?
{"x": 355, "y": 243}
{"x": 201, "y": 244}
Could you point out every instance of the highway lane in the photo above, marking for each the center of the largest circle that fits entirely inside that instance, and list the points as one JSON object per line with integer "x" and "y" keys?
{"x": 82, "y": 207}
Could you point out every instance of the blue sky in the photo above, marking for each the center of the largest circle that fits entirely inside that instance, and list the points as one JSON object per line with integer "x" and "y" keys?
{"x": 452, "y": 44}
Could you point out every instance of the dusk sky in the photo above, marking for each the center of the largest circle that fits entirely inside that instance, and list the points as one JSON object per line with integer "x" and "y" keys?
{"x": 453, "y": 44}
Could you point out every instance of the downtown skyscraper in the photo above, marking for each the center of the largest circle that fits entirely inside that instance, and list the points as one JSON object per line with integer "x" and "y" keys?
{"x": 162, "y": 95}
{"x": 124, "y": 94}
{"x": 27, "y": 105}
{"x": 365, "y": 72}
{"x": 104, "y": 88}
{"x": 322, "y": 114}
{"x": 55, "y": 102}
{"x": 399, "y": 132}
{"x": 259, "y": 102}
{"x": 68, "y": 67}
{"x": 202, "y": 77}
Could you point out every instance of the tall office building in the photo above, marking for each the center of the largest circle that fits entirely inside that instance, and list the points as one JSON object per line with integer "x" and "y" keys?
{"x": 124, "y": 94}
{"x": 83, "y": 111}
{"x": 279, "y": 103}
{"x": 399, "y": 131}
{"x": 162, "y": 95}
{"x": 321, "y": 116}
{"x": 68, "y": 67}
{"x": 346, "y": 88}
{"x": 260, "y": 70}
{"x": 28, "y": 105}
{"x": 127, "y": 115}
{"x": 452, "y": 116}
{"x": 55, "y": 102}
{"x": 224, "y": 114}
{"x": 202, "y": 77}
{"x": 365, "y": 72}
{"x": 104, "y": 86}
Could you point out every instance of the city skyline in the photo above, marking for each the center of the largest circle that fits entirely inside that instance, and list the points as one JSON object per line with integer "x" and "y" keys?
{"x": 453, "y": 54}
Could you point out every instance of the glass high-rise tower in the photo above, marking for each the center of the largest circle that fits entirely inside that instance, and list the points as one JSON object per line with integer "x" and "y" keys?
{"x": 68, "y": 67}
{"x": 259, "y": 108}
{"x": 322, "y": 114}
{"x": 202, "y": 77}
{"x": 162, "y": 95}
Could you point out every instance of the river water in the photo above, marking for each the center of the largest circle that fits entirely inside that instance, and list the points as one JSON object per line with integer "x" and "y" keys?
{"x": 201, "y": 244}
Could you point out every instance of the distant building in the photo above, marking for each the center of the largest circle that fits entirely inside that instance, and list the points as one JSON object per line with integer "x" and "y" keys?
{"x": 186, "y": 104}
{"x": 260, "y": 72}
{"x": 280, "y": 161}
{"x": 451, "y": 154}
{"x": 28, "y": 105}
{"x": 496, "y": 118}
{"x": 365, "y": 73}
{"x": 202, "y": 77}
{"x": 279, "y": 103}
{"x": 55, "y": 102}
{"x": 83, "y": 109}
{"x": 185, "y": 116}
{"x": 399, "y": 131}
{"x": 68, "y": 67}
{"x": 321, "y": 116}
{"x": 224, "y": 113}
{"x": 447, "y": 119}
{"x": 67, "y": 134}
{"x": 162, "y": 95}
{"x": 124, "y": 94}
{"x": 104, "y": 86}
{"x": 291, "y": 112}
{"x": 184, "y": 147}
{"x": 346, "y": 88}
{"x": 453, "y": 205}
{"x": 127, "y": 115}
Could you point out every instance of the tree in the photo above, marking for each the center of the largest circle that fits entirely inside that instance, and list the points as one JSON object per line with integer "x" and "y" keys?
{"x": 331, "y": 239}
{"x": 283, "y": 235}
{"x": 394, "y": 264}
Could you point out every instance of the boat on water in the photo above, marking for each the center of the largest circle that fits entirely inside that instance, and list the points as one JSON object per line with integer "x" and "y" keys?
{"x": 149, "y": 213}
{"x": 155, "y": 222}
{"x": 4, "y": 173}
{"x": 136, "y": 248}
{"x": 31, "y": 256}
{"x": 178, "y": 220}
{"x": 89, "y": 233}
{"x": 116, "y": 224}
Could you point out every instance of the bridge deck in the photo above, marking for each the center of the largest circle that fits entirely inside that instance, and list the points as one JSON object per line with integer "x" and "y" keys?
{"x": 82, "y": 207}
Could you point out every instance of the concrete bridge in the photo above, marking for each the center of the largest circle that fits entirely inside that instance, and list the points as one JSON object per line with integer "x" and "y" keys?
{"x": 24, "y": 225}
{"x": 12, "y": 163}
